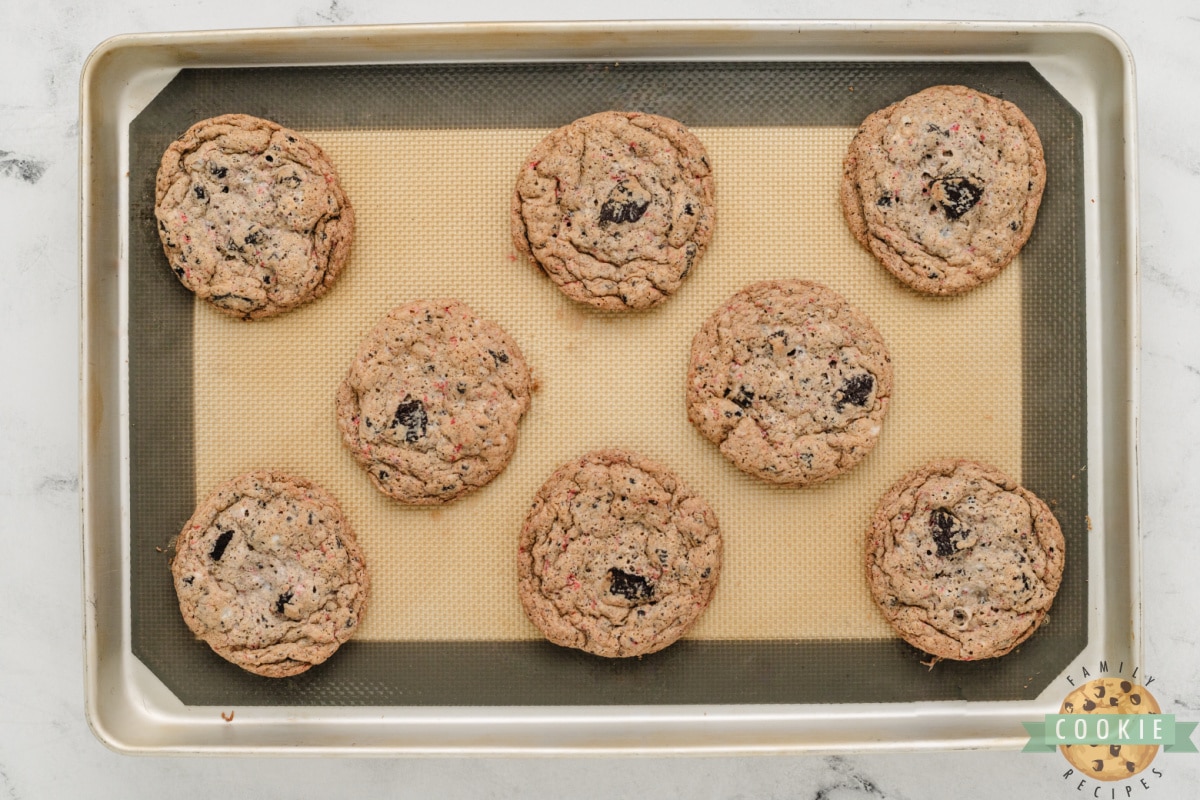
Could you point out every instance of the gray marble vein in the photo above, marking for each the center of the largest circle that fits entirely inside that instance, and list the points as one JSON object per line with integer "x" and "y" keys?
{"x": 848, "y": 783}
{"x": 335, "y": 13}
{"x": 29, "y": 170}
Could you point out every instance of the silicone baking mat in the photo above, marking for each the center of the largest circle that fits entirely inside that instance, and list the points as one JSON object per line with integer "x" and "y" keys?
{"x": 428, "y": 156}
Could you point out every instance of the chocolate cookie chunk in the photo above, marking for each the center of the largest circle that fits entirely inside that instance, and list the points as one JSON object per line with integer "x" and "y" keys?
{"x": 1108, "y": 762}
{"x": 790, "y": 381}
{"x": 251, "y": 216}
{"x": 269, "y": 575}
{"x": 617, "y": 556}
{"x": 944, "y": 186}
{"x": 616, "y": 208}
{"x": 430, "y": 405}
{"x": 962, "y": 561}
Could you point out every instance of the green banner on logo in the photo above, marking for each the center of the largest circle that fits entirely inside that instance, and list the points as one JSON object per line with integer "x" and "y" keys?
{"x": 1120, "y": 729}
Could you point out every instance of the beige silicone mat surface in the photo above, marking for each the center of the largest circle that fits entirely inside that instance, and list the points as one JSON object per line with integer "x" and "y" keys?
{"x": 432, "y": 210}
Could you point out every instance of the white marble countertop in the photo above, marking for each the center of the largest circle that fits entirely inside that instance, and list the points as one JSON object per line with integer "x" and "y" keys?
{"x": 46, "y": 748}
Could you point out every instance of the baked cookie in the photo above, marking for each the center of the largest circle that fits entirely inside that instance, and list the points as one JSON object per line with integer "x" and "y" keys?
{"x": 251, "y": 216}
{"x": 944, "y": 186}
{"x": 616, "y": 208}
{"x": 617, "y": 556}
{"x": 790, "y": 381}
{"x": 269, "y": 575}
{"x": 430, "y": 405}
{"x": 962, "y": 561}
{"x": 1107, "y": 762}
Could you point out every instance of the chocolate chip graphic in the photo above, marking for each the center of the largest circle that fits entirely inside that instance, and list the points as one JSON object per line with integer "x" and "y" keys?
{"x": 1099, "y": 691}
{"x": 945, "y": 526}
{"x": 222, "y": 542}
{"x": 1126, "y": 686}
{"x": 627, "y": 202}
{"x": 410, "y": 415}
{"x": 1088, "y": 705}
{"x": 1114, "y": 750}
{"x": 1136, "y": 699}
{"x": 856, "y": 390}
{"x": 1130, "y": 767}
{"x": 1098, "y": 765}
{"x": 1112, "y": 701}
{"x": 629, "y": 586}
{"x": 282, "y": 601}
{"x": 961, "y": 196}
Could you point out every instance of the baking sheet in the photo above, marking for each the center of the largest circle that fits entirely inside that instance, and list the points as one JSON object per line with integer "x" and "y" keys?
{"x": 428, "y": 155}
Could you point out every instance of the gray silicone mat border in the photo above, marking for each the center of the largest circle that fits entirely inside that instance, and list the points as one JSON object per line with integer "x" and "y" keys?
{"x": 537, "y": 673}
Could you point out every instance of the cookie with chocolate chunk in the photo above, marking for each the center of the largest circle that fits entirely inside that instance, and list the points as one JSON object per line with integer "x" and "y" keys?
{"x": 252, "y": 216}
{"x": 616, "y": 208}
{"x": 430, "y": 405}
{"x": 618, "y": 557}
{"x": 790, "y": 381}
{"x": 962, "y": 561}
{"x": 269, "y": 575}
{"x": 1113, "y": 695}
{"x": 944, "y": 187}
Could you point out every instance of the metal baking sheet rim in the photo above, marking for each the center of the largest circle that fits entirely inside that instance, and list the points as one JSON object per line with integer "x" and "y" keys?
{"x": 130, "y": 711}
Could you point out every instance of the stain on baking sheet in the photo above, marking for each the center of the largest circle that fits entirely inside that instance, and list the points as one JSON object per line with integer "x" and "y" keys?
{"x": 483, "y": 98}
